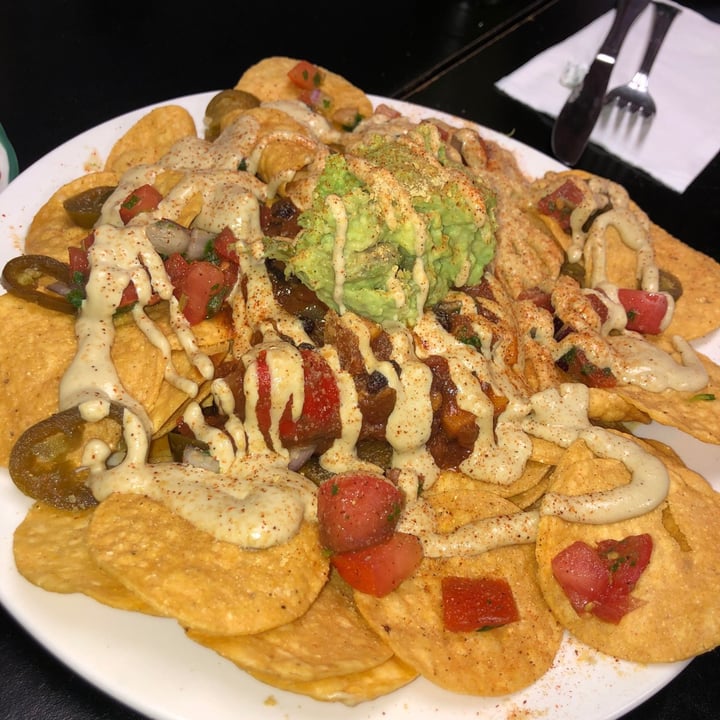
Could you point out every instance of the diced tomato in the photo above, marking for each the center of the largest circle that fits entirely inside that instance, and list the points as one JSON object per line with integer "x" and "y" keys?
{"x": 201, "y": 291}
{"x": 614, "y": 607}
{"x": 320, "y": 416}
{"x": 598, "y": 306}
{"x": 626, "y": 559}
{"x": 379, "y": 569}
{"x": 600, "y": 580}
{"x": 357, "y": 509}
{"x": 645, "y": 310}
{"x": 560, "y": 203}
{"x": 306, "y": 75}
{"x": 140, "y": 200}
{"x": 129, "y": 296}
{"x": 582, "y": 574}
{"x": 78, "y": 261}
{"x": 577, "y": 365}
{"x": 88, "y": 241}
{"x": 471, "y": 604}
{"x": 539, "y": 297}
{"x": 224, "y": 245}
{"x": 78, "y": 257}
{"x": 176, "y": 267}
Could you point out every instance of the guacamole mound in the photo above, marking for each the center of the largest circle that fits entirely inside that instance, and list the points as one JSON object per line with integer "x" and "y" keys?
{"x": 391, "y": 229}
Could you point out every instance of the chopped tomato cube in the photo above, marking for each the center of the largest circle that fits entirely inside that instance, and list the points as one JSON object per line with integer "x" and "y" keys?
{"x": 129, "y": 295}
{"x": 320, "y": 416}
{"x": 577, "y": 365}
{"x": 201, "y": 291}
{"x": 540, "y": 298}
{"x": 560, "y": 203}
{"x": 582, "y": 574}
{"x": 614, "y": 607}
{"x": 599, "y": 580}
{"x": 306, "y": 75}
{"x": 645, "y": 310}
{"x": 626, "y": 559}
{"x": 78, "y": 261}
{"x": 471, "y": 604}
{"x": 379, "y": 569}
{"x": 140, "y": 200}
{"x": 357, "y": 509}
{"x": 224, "y": 245}
{"x": 176, "y": 267}
{"x": 598, "y": 306}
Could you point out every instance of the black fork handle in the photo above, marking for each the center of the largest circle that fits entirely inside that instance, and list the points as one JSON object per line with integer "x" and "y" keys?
{"x": 664, "y": 15}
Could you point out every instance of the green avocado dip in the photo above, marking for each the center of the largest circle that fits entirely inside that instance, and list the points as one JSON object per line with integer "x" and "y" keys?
{"x": 391, "y": 229}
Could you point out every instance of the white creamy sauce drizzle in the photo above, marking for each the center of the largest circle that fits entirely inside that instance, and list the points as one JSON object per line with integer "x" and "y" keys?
{"x": 639, "y": 363}
{"x": 342, "y": 454}
{"x": 559, "y": 416}
{"x": 632, "y": 360}
{"x": 339, "y": 214}
{"x": 471, "y": 539}
{"x": 316, "y": 124}
{"x": 410, "y": 422}
{"x": 253, "y": 499}
{"x": 257, "y": 503}
{"x": 633, "y": 228}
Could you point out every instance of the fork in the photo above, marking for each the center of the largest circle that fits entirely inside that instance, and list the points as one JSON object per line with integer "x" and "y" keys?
{"x": 635, "y": 95}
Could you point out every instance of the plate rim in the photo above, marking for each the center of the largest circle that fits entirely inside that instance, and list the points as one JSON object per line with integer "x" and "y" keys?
{"x": 392, "y": 706}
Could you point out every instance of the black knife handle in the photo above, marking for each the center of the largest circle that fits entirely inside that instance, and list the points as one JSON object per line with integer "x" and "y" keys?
{"x": 625, "y": 15}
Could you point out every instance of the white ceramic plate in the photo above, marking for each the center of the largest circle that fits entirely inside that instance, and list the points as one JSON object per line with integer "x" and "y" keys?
{"x": 148, "y": 663}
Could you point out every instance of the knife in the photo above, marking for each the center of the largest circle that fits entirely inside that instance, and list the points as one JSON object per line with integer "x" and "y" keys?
{"x": 579, "y": 114}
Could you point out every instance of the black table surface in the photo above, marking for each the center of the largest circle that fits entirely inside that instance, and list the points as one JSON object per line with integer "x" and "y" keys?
{"x": 73, "y": 64}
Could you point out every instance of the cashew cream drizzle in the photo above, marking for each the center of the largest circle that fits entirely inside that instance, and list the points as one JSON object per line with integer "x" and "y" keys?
{"x": 337, "y": 209}
{"x": 253, "y": 499}
{"x": 633, "y": 227}
{"x": 257, "y": 503}
{"x": 632, "y": 360}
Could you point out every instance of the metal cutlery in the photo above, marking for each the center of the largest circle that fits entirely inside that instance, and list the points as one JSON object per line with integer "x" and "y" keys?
{"x": 635, "y": 95}
{"x": 578, "y": 116}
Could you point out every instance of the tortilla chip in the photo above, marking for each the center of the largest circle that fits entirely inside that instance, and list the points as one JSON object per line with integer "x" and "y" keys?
{"x": 50, "y": 550}
{"x": 349, "y": 689}
{"x": 303, "y": 650}
{"x": 39, "y": 345}
{"x": 286, "y": 143}
{"x": 52, "y": 231}
{"x": 150, "y": 138}
{"x": 608, "y": 406}
{"x": 268, "y": 80}
{"x": 698, "y": 311}
{"x": 533, "y": 475}
{"x": 671, "y": 624}
{"x": 696, "y": 413}
{"x": 206, "y": 584}
{"x": 697, "y": 273}
{"x": 494, "y": 662}
{"x": 29, "y": 370}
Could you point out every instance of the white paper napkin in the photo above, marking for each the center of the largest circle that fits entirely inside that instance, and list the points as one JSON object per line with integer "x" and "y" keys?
{"x": 678, "y": 142}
